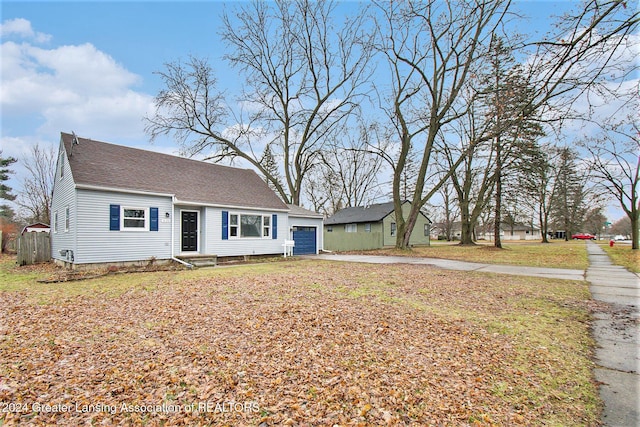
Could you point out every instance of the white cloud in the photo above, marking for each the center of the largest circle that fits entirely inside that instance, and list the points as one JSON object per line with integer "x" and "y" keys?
{"x": 18, "y": 147}
{"x": 22, "y": 28}
{"x": 49, "y": 89}
{"x": 72, "y": 87}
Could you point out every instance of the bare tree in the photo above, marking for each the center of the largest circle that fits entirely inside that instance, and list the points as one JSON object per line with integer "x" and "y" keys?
{"x": 347, "y": 174}
{"x": 579, "y": 53}
{"x": 304, "y": 76}
{"x": 323, "y": 190}
{"x": 473, "y": 181}
{"x": 37, "y": 187}
{"x": 449, "y": 212}
{"x": 614, "y": 162}
{"x": 431, "y": 48}
{"x": 622, "y": 226}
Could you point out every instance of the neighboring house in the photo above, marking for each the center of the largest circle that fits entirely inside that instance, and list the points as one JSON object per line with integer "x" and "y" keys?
{"x": 486, "y": 232}
{"x": 511, "y": 232}
{"x": 116, "y": 204}
{"x": 370, "y": 227}
{"x": 38, "y": 227}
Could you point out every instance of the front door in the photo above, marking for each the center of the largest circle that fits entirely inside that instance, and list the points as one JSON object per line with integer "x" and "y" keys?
{"x": 189, "y": 231}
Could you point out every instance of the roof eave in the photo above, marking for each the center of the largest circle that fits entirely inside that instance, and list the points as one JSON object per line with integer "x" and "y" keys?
{"x": 175, "y": 199}
{"x": 221, "y": 205}
{"x": 120, "y": 190}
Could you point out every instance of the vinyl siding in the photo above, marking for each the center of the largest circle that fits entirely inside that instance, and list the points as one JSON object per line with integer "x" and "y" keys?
{"x": 214, "y": 245}
{"x": 63, "y": 195}
{"x": 417, "y": 236}
{"x": 306, "y": 222}
{"x": 95, "y": 243}
{"x": 340, "y": 240}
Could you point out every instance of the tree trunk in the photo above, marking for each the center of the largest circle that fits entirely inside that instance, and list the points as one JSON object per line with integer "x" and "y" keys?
{"x": 498, "y": 208}
{"x": 466, "y": 229}
{"x": 544, "y": 227}
{"x": 635, "y": 234}
{"x": 410, "y": 224}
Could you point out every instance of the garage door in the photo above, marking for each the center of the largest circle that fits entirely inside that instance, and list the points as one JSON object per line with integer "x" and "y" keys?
{"x": 305, "y": 238}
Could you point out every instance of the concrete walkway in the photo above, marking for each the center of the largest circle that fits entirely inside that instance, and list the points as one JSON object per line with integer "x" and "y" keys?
{"x": 616, "y": 331}
{"x": 518, "y": 270}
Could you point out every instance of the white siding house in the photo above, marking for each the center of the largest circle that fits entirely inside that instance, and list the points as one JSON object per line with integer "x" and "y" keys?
{"x": 116, "y": 204}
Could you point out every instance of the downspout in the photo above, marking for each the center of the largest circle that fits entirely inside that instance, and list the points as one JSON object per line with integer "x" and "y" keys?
{"x": 173, "y": 239}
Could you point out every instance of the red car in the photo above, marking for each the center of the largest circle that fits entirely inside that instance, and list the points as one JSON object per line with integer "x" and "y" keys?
{"x": 584, "y": 236}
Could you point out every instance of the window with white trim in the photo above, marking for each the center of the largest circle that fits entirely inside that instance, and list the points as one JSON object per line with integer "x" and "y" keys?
{"x": 351, "y": 228}
{"x": 367, "y": 227}
{"x": 393, "y": 228}
{"x": 134, "y": 218}
{"x": 67, "y": 219}
{"x": 266, "y": 226}
{"x": 233, "y": 225}
{"x": 249, "y": 226}
{"x": 55, "y": 222}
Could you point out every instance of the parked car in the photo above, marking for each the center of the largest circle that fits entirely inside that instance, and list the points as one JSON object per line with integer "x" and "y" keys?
{"x": 583, "y": 236}
{"x": 619, "y": 237}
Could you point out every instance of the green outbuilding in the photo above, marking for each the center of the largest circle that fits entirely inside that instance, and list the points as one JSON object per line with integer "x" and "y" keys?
{"x": 371, "y": 227}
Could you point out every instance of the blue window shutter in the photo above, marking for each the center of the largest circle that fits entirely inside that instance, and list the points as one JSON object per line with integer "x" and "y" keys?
{"x": 153, "y": 219}
{"x": 225, "y": 225}
{"x": 114, "y": 217}
{"x": 274, "y": 226}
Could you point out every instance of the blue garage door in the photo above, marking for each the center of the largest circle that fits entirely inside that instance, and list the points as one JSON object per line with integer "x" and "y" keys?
{"x": 305, "y": 238}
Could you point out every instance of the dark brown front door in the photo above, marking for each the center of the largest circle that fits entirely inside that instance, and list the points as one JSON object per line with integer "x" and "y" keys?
{"x": 189, "y": 231}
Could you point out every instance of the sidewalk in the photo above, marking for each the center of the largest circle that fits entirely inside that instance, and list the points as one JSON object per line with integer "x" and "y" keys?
{"x": 616, "y": 333}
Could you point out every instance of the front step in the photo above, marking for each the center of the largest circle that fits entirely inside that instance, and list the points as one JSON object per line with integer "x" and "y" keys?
{"x": 200, "y": 260}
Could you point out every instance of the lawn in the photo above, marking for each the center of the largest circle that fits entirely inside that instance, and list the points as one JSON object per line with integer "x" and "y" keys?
{"x": 296, "y": 343}
{"x": 557, "y": 254}
{"x": 622, "y": 254}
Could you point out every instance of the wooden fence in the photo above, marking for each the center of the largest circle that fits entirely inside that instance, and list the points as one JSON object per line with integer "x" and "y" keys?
{"x": 34, "y": 247}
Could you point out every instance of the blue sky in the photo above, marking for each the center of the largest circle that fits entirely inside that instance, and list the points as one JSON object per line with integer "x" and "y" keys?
{"x": 131, "y": 40}
{"x": 89, "y": 67}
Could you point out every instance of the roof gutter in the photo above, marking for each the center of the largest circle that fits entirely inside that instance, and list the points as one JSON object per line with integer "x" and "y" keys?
{"x": 239, "y": 207}
{"x": 120, "y": 190}
{"x": 175, "y": 199}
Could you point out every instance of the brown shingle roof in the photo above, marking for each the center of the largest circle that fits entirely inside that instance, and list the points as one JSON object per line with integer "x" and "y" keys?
{"x": 297, "y": 211}
{"x": 113, "y": 166}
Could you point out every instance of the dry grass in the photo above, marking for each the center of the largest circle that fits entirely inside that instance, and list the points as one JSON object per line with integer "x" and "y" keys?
{"x": 557, "y": 254}
{"x": 622, "y": 254}
{"x": 299, "y": 343}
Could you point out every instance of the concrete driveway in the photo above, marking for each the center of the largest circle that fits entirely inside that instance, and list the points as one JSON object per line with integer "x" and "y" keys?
{"x": 517, "y": 270}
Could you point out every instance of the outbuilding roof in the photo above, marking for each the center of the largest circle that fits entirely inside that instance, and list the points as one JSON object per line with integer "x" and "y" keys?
{"x": 38, "y": 225}
{"x": 300, "y": 212}
{"x": 371, "y": 213}
{"x": 116, "y": 167}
